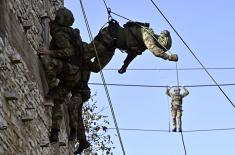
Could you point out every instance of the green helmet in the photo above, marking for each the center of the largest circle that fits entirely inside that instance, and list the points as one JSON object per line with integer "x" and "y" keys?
{"x": 165, "y": 40}
{"x": 64, "y": 17}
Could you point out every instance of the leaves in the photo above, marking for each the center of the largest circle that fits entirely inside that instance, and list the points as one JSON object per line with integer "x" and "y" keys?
{"x": 96, "y": 129}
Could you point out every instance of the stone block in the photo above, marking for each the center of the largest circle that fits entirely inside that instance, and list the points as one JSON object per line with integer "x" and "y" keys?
{"x": 11, "y": 95}
{"x": 44, "y": 15}
{"x": 44, "y": 143}
{"x": 27, "y": 24}
{"x": 15, "y": 58}
{"x": 1, "y": 45}
{"x": 27, "y": 118}
{"x": 48, "y": 103}
{"x": 62, "y": 143}
{"x": 4, "y": 67}
{"x": 3, "y": 126}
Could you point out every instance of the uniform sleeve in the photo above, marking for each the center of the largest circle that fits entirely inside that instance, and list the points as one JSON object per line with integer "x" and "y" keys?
{"x": 186, "y": 92}
{"x": 65, "y": 49}
{"x": 168, "y": 92}
{"x": 149, "y": 42}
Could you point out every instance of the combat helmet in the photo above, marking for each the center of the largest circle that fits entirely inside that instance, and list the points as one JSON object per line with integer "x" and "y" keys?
{"x": 164, "y": 39}
{"x": 64, "y": 17}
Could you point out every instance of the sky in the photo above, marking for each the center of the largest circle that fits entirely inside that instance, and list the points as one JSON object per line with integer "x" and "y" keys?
{"x": 208, "y": 28}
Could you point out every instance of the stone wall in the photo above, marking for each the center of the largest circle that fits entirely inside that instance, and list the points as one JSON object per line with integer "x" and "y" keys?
{"x": 25, "y": 118}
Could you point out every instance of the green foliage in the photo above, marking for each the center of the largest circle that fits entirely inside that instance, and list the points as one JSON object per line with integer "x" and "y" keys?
{"x": 96, "y": 129}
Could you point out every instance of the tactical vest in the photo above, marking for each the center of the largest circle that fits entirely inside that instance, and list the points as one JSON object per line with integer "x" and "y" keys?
{"x": 72, "y": 65}
{"x": 130, "y": 38}
{"x": 177, "y": 102}
{"x": 57, "y": 29}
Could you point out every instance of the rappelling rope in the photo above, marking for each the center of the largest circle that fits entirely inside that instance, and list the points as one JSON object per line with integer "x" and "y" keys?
{"x": 103, "y": 78}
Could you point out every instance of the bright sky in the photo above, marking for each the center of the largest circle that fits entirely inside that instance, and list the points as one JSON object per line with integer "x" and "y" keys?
{"x": 208, "y": 28}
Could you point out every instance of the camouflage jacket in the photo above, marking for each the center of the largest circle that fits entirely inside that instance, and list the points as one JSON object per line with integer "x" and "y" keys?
{"x": 61, "y": 46}
{"x": 176, "y": 100}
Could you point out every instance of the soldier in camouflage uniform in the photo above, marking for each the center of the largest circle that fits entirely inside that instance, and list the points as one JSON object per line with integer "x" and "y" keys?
{"x": 176, "y": 106}
{"x": 64, "y": 61}
{"x": 55, "y": 59}
{"x": 134, "y": 38}
{"x": 80, "y": 93}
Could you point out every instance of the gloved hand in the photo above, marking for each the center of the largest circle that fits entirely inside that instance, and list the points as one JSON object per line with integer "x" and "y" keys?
{"x": 173, "y": 57}
{"x": 122, "y": 70}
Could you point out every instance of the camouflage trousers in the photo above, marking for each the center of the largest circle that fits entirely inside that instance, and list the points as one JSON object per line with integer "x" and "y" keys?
{"x": 52, "y": 68}
{"x": 75, "y": 111}
{"x": 57, "y": 110}
{"x": 58, "y": 69}
{"x": 80, "y": 94}
{"x": 176, "y": 116}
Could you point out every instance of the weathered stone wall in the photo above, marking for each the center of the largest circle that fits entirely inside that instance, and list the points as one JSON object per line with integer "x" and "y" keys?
{"x": 25, "y": 120}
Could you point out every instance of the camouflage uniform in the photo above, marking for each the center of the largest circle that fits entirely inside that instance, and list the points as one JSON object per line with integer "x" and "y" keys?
{"x": 131, "y": 38}
{"x": 80, "y": 94}
{"x": 57, "y": 65}
{"x": 61, "y": 47}
{"x": 176, "y": 106}
{"x": 74, "y": 81}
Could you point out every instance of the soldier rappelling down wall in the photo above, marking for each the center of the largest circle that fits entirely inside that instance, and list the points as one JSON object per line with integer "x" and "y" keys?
{"x": 176, "y": 106}
{"x": 64, "y": 61}
{"x": 134, "y": 38}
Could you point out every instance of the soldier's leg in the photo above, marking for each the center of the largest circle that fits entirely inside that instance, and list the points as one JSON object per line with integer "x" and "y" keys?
{"x": 52, "y": 68}
{"x": 179, "y": 116}
{"x": 73, "y": 108}
{"x": 57, "y": 113}
{"x": 81, "y": 136}
{"x": 173, "y": 112}
{"x": 150, "y": 42}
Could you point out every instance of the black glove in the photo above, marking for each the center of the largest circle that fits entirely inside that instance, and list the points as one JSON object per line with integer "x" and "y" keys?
{"x": 122, "y": 70}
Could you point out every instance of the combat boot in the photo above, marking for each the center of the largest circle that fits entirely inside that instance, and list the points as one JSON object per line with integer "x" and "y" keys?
{"x": 83, "y": 144}
{"x": 54, "y": 135}
{"x": 72, "y": 135}
{"x": 173, "y": 57}
{"x": 174, "y": 130}
{"x": 180, "y": 129}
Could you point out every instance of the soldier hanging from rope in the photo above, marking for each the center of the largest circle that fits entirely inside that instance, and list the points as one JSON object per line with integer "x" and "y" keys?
{"x": 63, "y": 61}
{"x": 134, "y": 38}
{"x": 176, "y": 106}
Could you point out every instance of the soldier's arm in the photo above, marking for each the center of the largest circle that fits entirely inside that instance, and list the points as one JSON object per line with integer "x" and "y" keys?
{"x": 127, "y": 61}
{"x": 65, "y": 49}
{"x": 186, "y": 92}
{"x": 149, "y": 42}
{"x": 168, "y": 92}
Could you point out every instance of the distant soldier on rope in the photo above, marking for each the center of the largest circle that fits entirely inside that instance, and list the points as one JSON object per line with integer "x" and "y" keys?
{"x": 176, "y": 106}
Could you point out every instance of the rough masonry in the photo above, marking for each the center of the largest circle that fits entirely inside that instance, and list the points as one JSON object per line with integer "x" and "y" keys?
{"x": 25, "y": 117}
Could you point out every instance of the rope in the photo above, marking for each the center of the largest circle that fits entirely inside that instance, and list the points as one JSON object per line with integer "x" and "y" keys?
{"x": 208, "y": 73}
{"x": 181, "y": 133}
{"x": 169, "y": 117}
{"x": 177, "y": 73}
{"x": 103, "y": 78}
{"x": 187, "y": 131}
{"x": 108, "y": 10}
{"x": 157, "y": 86}
{"x": 171, "y": 69}
{"x": 182, "y": 137}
